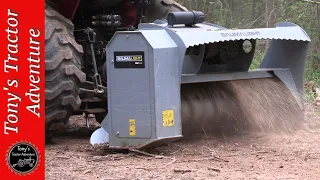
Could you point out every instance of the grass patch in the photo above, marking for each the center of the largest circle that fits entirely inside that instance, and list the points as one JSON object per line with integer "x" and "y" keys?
{"x": 311, "y": 73}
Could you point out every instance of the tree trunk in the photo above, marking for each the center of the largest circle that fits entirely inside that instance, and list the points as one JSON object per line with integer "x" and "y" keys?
{"x": 269, "y": 18}
{"x": 270, "y": 15}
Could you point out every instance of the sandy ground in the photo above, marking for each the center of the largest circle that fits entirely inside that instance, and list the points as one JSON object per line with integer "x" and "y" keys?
{"x": 251, "y": 156}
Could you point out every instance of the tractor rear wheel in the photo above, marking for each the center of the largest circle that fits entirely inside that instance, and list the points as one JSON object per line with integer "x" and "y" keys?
{"x": 63, "y": 56}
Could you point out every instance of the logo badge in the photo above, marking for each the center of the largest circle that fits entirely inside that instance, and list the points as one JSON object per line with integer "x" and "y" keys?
{"x": 23, "y": 158}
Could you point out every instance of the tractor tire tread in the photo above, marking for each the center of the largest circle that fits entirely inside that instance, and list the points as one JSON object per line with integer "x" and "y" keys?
{"x": 62, "y": 70}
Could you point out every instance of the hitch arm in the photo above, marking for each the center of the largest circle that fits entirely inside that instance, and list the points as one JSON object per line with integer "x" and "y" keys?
{"x": 97, "y": 83}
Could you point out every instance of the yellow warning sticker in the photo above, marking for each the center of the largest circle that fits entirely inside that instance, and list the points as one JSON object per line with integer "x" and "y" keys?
{"x": 168, "y": 118}
{"x": 132, "y": 127}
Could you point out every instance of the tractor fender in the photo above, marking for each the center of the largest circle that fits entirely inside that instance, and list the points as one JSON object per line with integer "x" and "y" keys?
{"x": 67, "y": 7}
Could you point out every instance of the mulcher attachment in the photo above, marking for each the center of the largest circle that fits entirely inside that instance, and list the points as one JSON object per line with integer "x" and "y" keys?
{"x": 163, "y": 79}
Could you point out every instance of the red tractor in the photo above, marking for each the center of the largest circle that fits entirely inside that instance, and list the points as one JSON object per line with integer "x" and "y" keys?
{"x": 77, "y": 33}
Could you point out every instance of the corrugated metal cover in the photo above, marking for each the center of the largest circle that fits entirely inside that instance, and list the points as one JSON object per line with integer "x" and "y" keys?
{"x": 192, "y": 37}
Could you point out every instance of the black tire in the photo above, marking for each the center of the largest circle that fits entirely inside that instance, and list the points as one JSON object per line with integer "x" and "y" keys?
{"x": 63, "y": 72}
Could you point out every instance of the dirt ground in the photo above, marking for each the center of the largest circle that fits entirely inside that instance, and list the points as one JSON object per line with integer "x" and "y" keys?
{"x": 250, "y": 156}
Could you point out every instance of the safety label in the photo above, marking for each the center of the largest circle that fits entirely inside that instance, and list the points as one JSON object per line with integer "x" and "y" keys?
{"x": 132, "y": 127}
{"x": 168, "y": 118}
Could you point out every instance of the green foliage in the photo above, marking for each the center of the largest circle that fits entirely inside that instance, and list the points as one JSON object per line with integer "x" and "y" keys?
{"x": 312, "y": 73}
{"x": 258, "y": 57}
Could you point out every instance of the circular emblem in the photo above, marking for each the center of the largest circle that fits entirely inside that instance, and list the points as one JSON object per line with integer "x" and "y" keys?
{"x": 22, "y": 158}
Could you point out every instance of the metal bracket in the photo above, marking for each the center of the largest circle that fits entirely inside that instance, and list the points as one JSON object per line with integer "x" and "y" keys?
{"x": 96, "y": 77}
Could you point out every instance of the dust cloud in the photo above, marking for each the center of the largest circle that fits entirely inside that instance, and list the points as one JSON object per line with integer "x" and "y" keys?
{"x": 231, "y": 107}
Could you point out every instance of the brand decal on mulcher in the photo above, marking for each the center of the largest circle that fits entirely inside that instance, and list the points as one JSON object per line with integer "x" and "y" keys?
{"x": 252, "y": 33}
{"x": 129, "y": 59}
